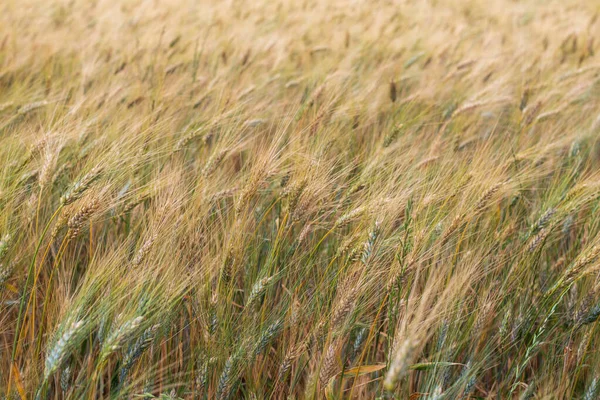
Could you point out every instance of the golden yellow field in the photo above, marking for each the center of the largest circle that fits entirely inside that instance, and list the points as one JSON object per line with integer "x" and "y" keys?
{"x": 270, "y": 199}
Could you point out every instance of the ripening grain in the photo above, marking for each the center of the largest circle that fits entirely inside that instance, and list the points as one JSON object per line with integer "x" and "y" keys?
{"x": 299, "y": 199}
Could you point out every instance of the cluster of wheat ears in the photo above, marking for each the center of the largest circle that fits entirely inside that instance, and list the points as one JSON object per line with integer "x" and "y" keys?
{"x": 299, "y": 199}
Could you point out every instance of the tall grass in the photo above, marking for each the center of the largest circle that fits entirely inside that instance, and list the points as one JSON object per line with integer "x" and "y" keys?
{"x": 318, "y": 199}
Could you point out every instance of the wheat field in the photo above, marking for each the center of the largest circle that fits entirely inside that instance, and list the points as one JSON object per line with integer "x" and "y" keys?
{"x": 314, "y": 199}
